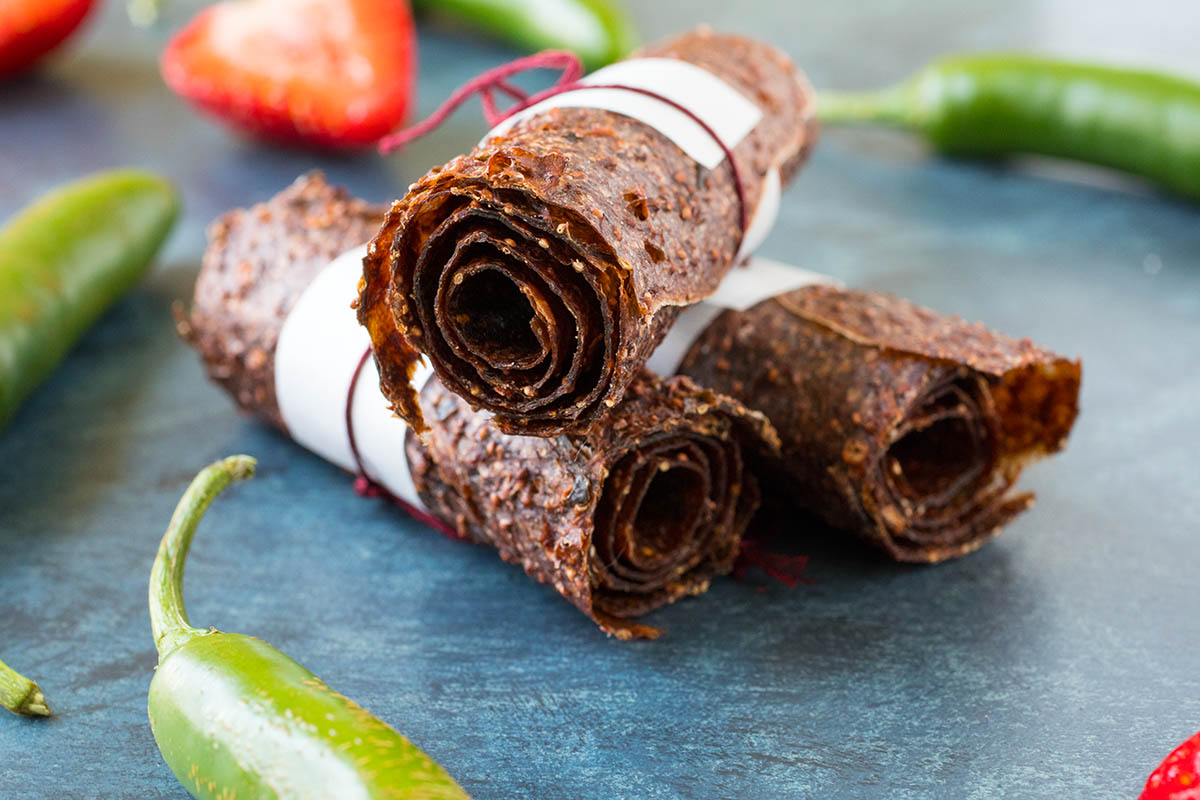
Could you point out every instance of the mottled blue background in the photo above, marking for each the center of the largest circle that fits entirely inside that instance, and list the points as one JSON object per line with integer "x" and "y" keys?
{"x": 1061, "y": 661}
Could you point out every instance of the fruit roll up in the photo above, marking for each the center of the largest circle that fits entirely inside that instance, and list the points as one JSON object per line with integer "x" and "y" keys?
{"x": 538, "y": 271}
{"x": 620, "y": 521}
{"x": 901, "y": 425}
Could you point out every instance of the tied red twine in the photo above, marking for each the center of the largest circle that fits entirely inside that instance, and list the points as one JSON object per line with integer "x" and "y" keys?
{"x": 568, "y": 63}
{"x": 365, "y": 486}
{"x": 788, "y": 570}
{"x": 571, "y": 70}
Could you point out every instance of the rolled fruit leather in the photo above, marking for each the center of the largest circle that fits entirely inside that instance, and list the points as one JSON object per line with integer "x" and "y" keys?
{"x": 903, "y": 426}
{"x": 620, "y": 521}
{"x": 539, "y": 271}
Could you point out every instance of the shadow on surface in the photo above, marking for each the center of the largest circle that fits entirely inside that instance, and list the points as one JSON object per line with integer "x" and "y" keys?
{"x": 48, "y": 456}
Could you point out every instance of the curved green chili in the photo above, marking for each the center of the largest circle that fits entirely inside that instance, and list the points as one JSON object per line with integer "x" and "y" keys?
{"x": 234, "y": 717}
{"x": 65, "y": 260}
{"x": 1145, "y": 123}
{"x": 20, "y": 695}
{"x": 598, "y": 31}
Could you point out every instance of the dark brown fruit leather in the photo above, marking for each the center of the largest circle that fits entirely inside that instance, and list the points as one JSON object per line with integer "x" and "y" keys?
{"x": 539, "y": 271}
{"x": 904, "y": 426}
{"x": 625, "y": 519}
{"x": 640, "y": 511}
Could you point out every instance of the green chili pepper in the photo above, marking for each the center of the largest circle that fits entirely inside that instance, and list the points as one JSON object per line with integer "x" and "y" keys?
{"x": 598, "y": 31}
{"x": 20, "y": 695}
{"x": 64, "y": 260}
{"x": 1145, "y": 123}
{"x": 234, "y": 717}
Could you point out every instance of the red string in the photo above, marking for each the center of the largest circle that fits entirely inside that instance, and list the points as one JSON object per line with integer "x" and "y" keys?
{"x": 568, "y": 81}
{"x": 788, "y": 570}
{"x": 364, "y": 486}
{"x": 497, "y": 77}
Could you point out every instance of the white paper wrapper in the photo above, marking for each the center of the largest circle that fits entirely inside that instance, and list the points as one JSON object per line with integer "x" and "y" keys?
{"x": 742, "y": 288}
{"x": 725, "y": 110}
{"x": 319, "y": 347}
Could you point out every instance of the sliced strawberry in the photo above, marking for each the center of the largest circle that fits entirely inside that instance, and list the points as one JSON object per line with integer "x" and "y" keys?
{"x": 327, "y": 73}
{"x": 1177, "y": 777}
{"x": 29, "y": 29}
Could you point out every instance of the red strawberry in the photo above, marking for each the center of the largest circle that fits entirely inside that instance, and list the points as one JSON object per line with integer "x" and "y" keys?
{"x": 1178, "y": 777}
{"x": 327, "y": 73}
{"x": 29, "y": 29}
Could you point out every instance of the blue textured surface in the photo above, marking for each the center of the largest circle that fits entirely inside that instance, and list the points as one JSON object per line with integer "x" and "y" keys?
{"x": 1061, "y": 661}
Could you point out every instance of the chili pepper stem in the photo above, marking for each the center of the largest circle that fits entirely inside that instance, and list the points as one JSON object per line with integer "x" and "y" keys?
{"x": 168, "y": 614}
{"x": 891, "y": 106}
{"x": 20, "y": 695}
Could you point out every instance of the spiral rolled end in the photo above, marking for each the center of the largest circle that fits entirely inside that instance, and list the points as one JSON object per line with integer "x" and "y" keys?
{"x": 519, "y": 312}
{"x": 631, "y": 516}
{"x": 676, "y": 499}
{"x": 943, "y": 485}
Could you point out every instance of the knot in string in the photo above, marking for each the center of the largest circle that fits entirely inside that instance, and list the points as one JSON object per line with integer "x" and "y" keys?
{"x": 365, "y": 487}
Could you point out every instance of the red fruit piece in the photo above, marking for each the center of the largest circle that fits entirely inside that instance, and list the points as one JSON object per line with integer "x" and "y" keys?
{"x": 29, "y": 29}
{"x": 326, "y": 73}
{"x": 1177, "y": 777}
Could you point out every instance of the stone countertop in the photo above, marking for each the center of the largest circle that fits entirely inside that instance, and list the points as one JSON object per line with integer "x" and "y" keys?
{"x": 1060, "y": 661}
